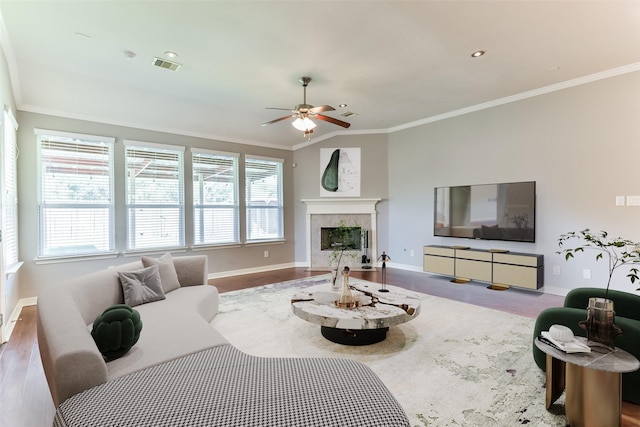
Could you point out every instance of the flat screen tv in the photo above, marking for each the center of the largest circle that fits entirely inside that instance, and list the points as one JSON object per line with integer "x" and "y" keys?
{"x": 488, "y": 211}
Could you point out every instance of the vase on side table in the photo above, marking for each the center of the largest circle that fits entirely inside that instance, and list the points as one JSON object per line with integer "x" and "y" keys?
{"x": 600, "y": 327}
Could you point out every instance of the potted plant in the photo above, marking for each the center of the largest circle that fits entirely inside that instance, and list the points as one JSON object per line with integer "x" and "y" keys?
{"x": 600, "y": 314}
{"x": 619, "y": 251}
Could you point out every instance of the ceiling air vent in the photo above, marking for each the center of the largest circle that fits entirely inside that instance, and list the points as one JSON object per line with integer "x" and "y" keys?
{"x": 163, "y": 63}
{"x": 348, "y": 114}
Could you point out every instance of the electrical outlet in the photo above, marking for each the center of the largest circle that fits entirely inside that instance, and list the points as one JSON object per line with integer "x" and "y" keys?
{"x": 556, "y": 270}
{"x": 266, "y": 254}
{"x": 412, "y": 253}
{"x": 586, "y": 274}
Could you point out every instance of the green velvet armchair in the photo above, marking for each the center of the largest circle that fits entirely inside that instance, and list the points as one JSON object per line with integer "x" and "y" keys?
{"x": 627, "y": 309}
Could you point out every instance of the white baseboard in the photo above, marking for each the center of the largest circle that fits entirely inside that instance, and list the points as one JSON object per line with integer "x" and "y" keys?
{"x": 408, "y": 267}
{"x": 251, "y": 270}
{"x": 554, "y": 290}
{"x": 15, "y": 315}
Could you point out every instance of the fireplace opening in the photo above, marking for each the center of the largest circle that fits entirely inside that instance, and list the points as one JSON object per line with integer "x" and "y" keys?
{"x": 332, "y": 237}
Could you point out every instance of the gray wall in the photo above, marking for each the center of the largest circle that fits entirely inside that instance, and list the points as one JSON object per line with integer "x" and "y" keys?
{"x": 34, "y": 277}
{"x": 581, "y": 145}
{"x": 373, "y": 183}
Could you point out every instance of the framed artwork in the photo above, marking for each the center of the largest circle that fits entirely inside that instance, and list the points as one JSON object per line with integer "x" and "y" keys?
{"x": 340, "y": 172}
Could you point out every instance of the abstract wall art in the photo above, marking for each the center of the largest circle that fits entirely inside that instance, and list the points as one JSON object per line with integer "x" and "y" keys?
{"x": 340, "y": 172}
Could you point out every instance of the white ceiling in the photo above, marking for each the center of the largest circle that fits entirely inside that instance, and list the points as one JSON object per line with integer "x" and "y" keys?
{"x": 392, "y": 62}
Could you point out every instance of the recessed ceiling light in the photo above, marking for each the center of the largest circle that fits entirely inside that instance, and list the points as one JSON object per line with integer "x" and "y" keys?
{"x": 129, "y": 55}
{"x": 477, "y": 53}
{"x": 342, "y": 105}
{"x": 171, "y": 54}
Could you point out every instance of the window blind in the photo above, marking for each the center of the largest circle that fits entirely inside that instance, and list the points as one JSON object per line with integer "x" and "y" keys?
{"x": 264, "y": 204}
{"x": 9, "y": 192}
{"x": 155, "y": 197}
{"x": 215, "y": 198}
{"x": 76, "y": 204}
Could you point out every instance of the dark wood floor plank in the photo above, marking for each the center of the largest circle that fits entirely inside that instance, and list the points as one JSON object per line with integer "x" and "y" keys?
{"x": 24, "y": 395}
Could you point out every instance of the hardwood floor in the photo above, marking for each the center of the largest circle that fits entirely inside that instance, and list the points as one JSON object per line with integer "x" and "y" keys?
{"x": 24, "y": 395}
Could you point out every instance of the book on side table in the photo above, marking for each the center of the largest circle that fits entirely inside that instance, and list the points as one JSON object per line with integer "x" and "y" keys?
{"x": 571, "y": 346}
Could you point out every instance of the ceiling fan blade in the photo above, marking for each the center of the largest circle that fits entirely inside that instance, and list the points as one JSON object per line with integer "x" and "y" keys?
{"x": 321, "y": 109}
{"x": 332, "y": 120}
{"x": 277, "y": 120}
{"x": 276, "y": 108}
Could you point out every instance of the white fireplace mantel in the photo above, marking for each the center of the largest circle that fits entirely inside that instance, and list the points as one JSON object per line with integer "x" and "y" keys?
{"x": 343, "y": 206}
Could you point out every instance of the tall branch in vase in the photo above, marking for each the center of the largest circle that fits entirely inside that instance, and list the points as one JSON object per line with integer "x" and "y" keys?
{"x": 342, "y": 244}
{"x": 337, "y": 269}
{"x": 619, "y": 251}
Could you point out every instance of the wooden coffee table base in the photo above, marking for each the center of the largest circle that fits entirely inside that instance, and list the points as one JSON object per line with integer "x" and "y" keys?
{"x": 354, "y": 336}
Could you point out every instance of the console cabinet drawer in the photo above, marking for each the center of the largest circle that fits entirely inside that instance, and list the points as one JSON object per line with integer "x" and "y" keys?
{"x": 515, "y": 275}
{"x": 473, "y": 254}
{"x": 439, "y": 265}
{"x": 440, "y": 251}
{"x": 478, "y": 270}
{"x": 517, "y": 259}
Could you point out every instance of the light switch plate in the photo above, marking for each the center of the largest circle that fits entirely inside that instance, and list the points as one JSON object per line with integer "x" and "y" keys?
{"x": 619, "y": 200}
{"x": 633, "y": 200}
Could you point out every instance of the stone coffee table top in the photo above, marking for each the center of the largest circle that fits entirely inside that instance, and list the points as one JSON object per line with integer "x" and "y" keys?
{"x": 316, "y": 304}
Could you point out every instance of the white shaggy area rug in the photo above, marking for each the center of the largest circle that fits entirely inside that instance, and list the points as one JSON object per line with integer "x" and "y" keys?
{"x": 456, "y": 364}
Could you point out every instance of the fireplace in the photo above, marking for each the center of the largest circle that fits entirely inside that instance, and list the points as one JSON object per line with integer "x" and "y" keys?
{"x": 358, "y": 215}
{"x": 338, "y": 237}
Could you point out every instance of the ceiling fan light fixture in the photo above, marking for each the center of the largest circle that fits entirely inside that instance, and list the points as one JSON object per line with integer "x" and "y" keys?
{"x": 303, "y": 125}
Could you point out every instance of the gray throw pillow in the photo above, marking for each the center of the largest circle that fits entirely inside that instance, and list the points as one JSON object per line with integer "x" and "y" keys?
{"x": 141, "y": 286}
{"x": 168, "y": 275}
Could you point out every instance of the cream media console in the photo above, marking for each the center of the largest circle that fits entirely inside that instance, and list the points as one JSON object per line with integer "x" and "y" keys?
{"x": 494, "y": 266}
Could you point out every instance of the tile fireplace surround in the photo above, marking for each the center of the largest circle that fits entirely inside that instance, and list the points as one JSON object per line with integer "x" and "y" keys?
{"x": 329, "y": 213}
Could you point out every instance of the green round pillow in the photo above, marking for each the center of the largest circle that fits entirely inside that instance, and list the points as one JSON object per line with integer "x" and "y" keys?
{"x": 116, "y": 330}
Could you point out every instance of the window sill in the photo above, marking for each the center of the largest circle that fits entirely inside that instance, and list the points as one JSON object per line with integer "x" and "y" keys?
{"x": 13, "y": 269}
{"x": 265, "y": 242}
{"x": 151, "y": 251}
{"x": 196, "y": 248}
{"x": 73, "y": 258}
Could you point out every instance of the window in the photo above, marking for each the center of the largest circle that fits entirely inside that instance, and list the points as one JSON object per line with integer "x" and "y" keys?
{"x": 155, "y": 195}
{"x": 75, "y": 203}
{"x": 215, "y": 197}
{"x": 263, "y": 188}
{"x": 9, "y": 192}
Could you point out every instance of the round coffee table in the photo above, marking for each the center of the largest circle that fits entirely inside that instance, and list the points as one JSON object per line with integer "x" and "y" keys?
{"x": 367, "y": 324}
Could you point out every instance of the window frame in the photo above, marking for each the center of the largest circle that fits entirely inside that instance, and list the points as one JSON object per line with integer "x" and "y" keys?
{"x": 130, "y": 246}
{"x": 42, "y": 204}
{"x": 10, "y": 231}
{"x": 279, "y": 207}
{"x": 199, "y": 205}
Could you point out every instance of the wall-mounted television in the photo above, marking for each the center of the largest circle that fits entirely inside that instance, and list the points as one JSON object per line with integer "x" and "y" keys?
{"x": 504, "y": 211}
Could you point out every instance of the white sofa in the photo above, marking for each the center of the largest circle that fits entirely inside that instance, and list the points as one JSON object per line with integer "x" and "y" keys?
{"x": 173, "y": 327}
{"x": 182, "y": 372}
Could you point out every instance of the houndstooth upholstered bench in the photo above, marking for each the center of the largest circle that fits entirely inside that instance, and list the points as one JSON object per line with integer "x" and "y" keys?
{"x": 225, "y": 387}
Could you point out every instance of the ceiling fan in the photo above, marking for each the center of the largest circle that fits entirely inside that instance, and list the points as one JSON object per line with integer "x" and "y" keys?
{"x": 303, "y": 113}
